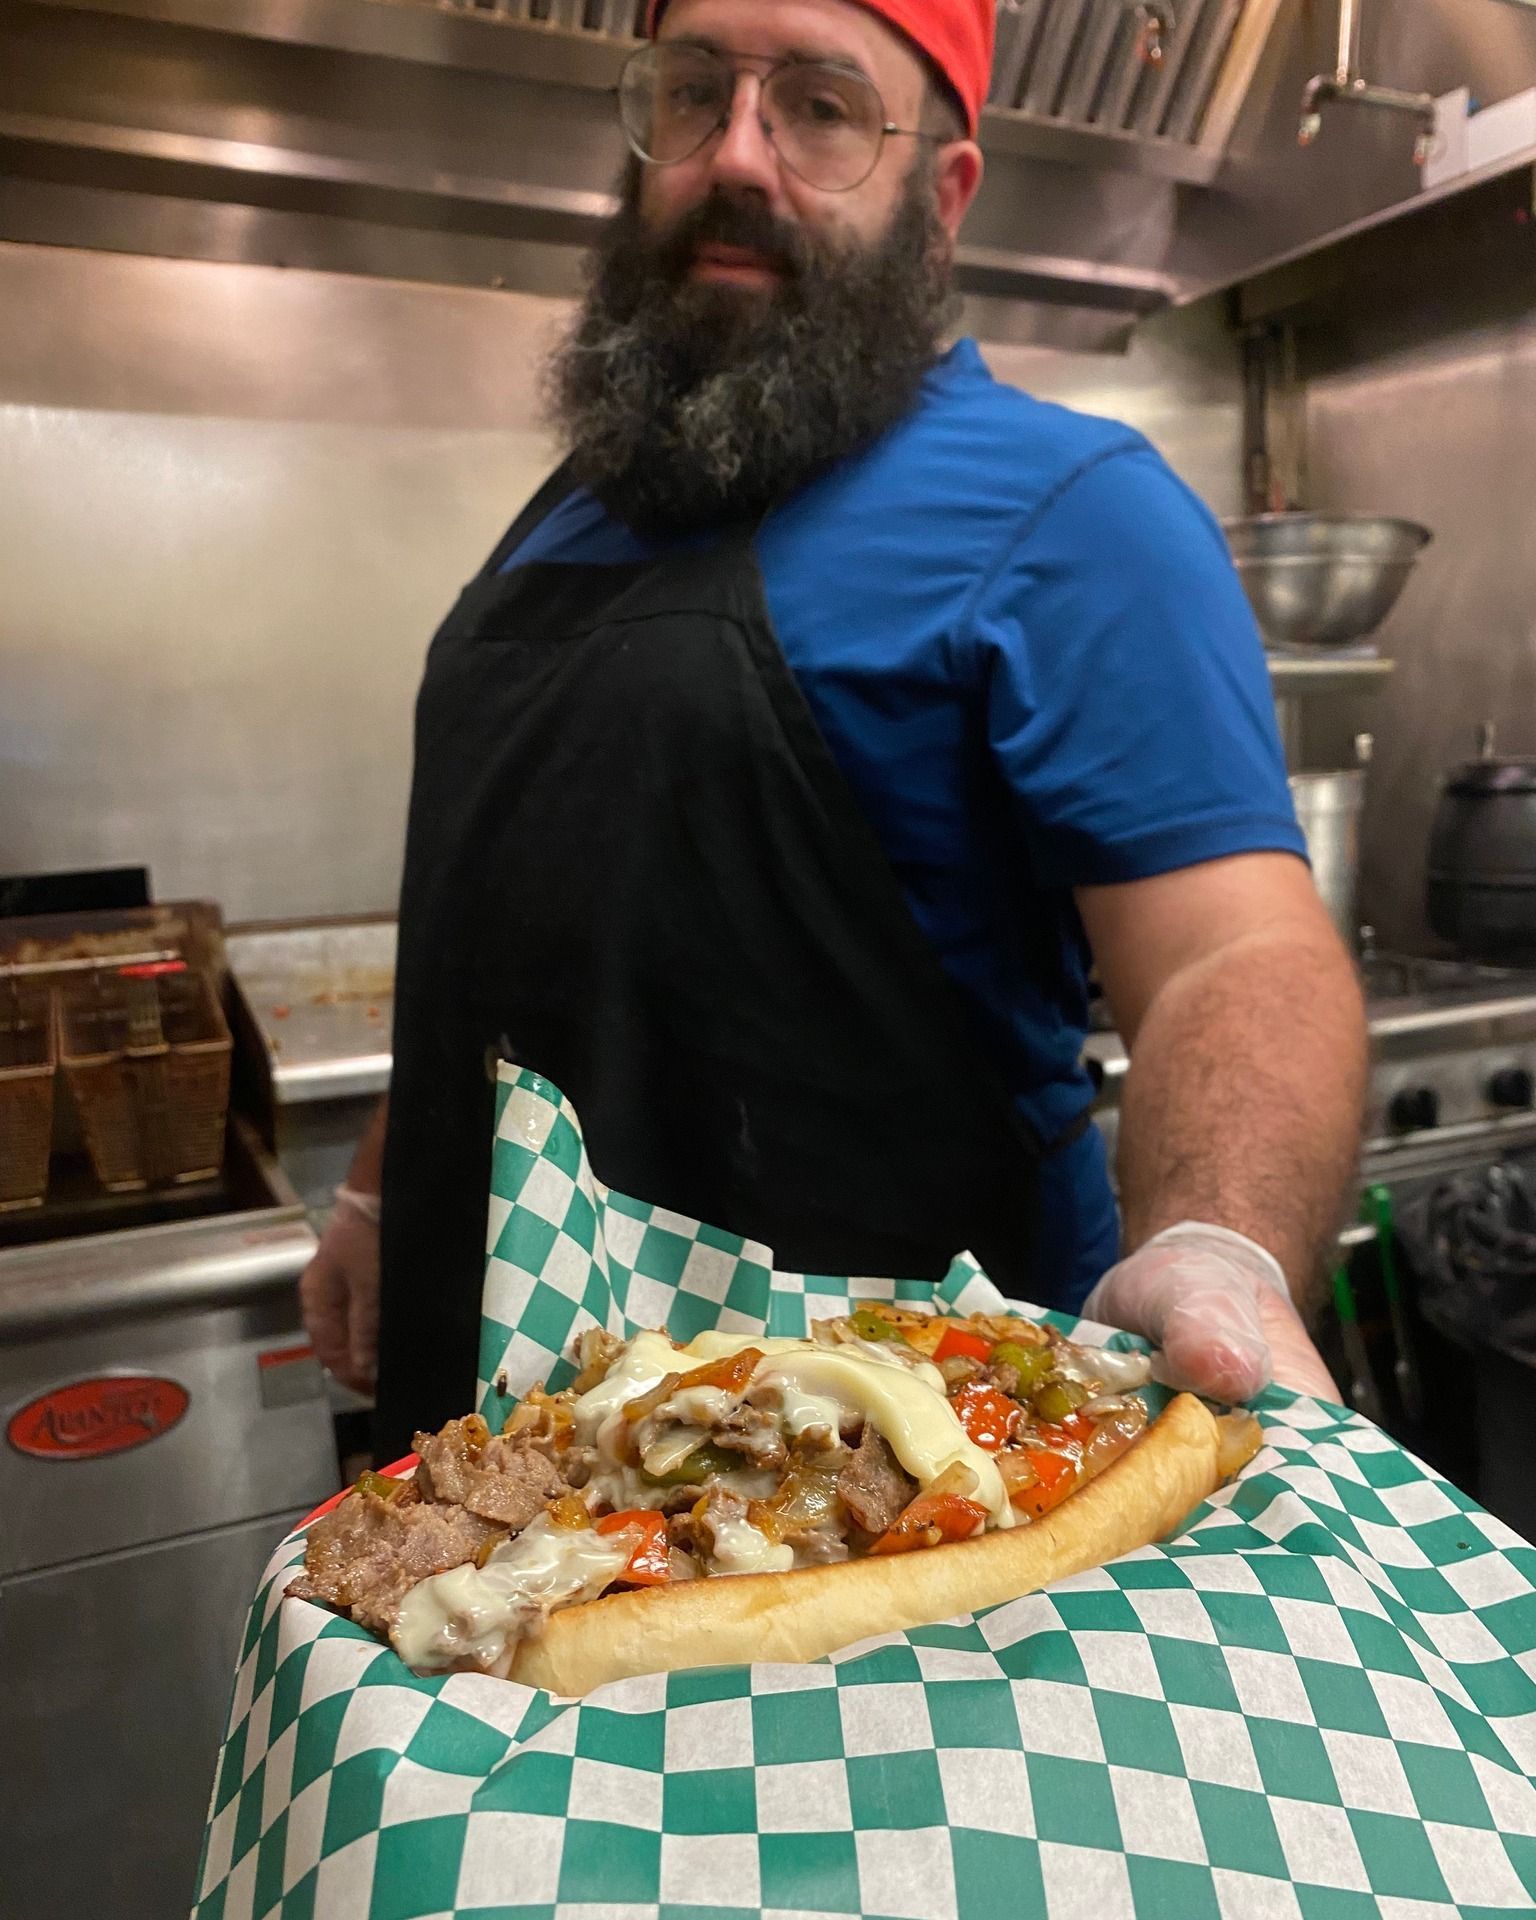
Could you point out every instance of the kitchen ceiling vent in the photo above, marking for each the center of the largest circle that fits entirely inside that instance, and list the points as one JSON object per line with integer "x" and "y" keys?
{"x": 615, "y": 19}
{"x": 1150, "y": 68}
{"x": 1155, "y": 72}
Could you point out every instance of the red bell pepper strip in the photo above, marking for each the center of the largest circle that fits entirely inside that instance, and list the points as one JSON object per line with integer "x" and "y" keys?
{"x": 1055, "y": 1477}
{"x": 1057, "y": 1461}
{"x": 731, "y": 1374}
{"x": 1066, "y": 1436}
{"x": 650, "y": 1565}
{"x": 989, "y": 1417}
{"x": 930, "y": 1520}
{"x": 959, "y": 1343}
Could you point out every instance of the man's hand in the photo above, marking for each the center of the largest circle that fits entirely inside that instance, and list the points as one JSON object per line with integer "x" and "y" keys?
{"x": 1242, "y": 1107}
{"x": 340, "y": 1291}
{"x": 1218, "y": 1307}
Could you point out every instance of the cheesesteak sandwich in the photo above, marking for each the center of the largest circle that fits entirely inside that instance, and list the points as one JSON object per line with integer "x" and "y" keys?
{"x": 892, "y": 1470}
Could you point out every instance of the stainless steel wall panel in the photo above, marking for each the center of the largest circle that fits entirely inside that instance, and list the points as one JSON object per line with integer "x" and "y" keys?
{"x": 205, "y": 1472}
{"x": 617, "y": 19}
{"x": 1277, "y": 197}
{"x": 1426, "y": 411}
{"x": 117, "y": 1676}
{"x": 234, "y": 503}
{"x": 375, "y": 115}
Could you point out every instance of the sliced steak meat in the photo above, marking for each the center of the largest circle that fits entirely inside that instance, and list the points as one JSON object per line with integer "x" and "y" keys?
{"x": 364, "y": 1558}
{"x": 577, "y": 1465}
{"x": 754, "y": 1431}
{"x": 542, "y": 1424}
{"x": 512, "y": 1486}
{"x": 873, "y": 1487}
{"x": 721, "y": 1504}
{"x": 1000, "y": 1375}
{"x": 685, "y": 1533}
{"x": 507, "y": 1480}
{"x": 694, "y": 1531}
{"x": 448, "y": 1458}
{"x": 677, "y": 1500}
{"x": 815, "y": 1546}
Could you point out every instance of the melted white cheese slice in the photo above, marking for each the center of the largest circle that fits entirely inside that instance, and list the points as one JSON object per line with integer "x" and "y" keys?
{"x": 906, "y": 1402}
{"x": 800, "y": 1413}
{"x": 908, "y": 1409}
{"x": 699, "y": 1406}
{"x": 472, "y": 1612}
{"x": 742, "y": 1548}
{"x": 645, "y": 1363}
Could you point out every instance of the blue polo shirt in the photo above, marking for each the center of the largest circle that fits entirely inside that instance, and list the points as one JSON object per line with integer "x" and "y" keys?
{"x": 1029, "y": 654}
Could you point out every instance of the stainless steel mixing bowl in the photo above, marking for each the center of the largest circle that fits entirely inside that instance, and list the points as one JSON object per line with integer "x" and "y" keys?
{"x": 1322, "y": 579}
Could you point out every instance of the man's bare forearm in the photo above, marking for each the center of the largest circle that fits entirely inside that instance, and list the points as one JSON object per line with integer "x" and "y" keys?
{"x": 1243, "y": 1102}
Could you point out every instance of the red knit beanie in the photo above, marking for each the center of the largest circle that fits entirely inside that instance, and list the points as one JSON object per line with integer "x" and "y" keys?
{"x": 956, "y": 35}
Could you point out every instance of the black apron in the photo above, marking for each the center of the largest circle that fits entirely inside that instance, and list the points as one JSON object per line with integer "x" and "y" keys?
{"x": 633, "y": 866}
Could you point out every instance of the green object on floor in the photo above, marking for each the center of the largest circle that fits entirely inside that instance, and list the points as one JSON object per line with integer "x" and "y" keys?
{"x": 1363, "y": 1391}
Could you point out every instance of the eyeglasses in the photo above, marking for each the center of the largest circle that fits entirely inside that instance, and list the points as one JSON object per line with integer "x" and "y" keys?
{"x": 825, "y": 122}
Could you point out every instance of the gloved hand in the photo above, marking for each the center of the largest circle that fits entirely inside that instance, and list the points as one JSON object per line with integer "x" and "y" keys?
{"x": 1217, "y": 1305}
{"x": 339, "y": 1291}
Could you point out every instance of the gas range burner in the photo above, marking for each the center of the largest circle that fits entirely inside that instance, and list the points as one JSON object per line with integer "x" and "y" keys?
{"x": 1453, "y": 1047}
{"x": 1453, "y": 1061}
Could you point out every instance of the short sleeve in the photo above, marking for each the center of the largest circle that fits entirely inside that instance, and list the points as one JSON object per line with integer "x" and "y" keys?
{"x": 1128, "y": 702}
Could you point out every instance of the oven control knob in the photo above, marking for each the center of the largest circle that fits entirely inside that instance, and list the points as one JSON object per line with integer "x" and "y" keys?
{"x": 1415, "y": 1109}
{"x": 1512, "y": 1087}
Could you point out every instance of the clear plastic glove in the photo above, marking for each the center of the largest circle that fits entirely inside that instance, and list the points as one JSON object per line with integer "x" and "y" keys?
{"x": 1217, "y": 1305}
{"x": 339, "y": 1292}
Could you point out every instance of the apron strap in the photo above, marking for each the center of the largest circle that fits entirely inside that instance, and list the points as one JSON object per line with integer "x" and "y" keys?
{"x": 555, "y": 491}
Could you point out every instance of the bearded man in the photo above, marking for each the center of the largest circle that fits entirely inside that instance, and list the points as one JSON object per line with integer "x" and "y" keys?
{"x": 823, "y": 722}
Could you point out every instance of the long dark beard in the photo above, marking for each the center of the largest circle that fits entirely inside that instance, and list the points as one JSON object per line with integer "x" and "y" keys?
{"x": 685, "y": 405}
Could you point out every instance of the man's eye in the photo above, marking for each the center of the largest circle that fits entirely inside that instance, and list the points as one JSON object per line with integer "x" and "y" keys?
{"x": 825, "y": 111}
{"x": 816, "y": 106}
{"x": 692, "y": 96}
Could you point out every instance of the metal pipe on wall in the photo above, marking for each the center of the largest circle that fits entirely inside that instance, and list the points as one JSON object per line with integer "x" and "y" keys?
{"x": 1347, "y": 85}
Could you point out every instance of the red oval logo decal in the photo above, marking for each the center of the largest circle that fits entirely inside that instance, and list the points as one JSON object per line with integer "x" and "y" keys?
{"x": 89, "y": 1418}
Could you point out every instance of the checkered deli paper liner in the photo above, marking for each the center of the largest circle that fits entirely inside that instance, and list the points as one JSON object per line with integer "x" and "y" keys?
{"x": 1317, "y": 1702}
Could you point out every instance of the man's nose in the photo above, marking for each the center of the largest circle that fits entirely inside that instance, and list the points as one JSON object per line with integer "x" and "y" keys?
{"x": 743, "y": 156}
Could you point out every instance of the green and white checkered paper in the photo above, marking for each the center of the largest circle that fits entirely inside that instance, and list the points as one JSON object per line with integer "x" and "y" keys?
{"x": 1317, "y": 1702}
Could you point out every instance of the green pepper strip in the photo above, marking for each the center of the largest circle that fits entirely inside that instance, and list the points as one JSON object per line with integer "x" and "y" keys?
{"x": 379, "y": 1484}
{"x": 1031, "y": 1364}
{"x": 869, "y": 1325}
{"x": 1058, "y": 1398}
{"x": 698, "y": 1467}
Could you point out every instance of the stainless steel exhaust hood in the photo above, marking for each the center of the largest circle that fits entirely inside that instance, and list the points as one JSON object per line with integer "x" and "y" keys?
{"x": 1165, "y": 76}
{"x": 1139, "y": 152}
